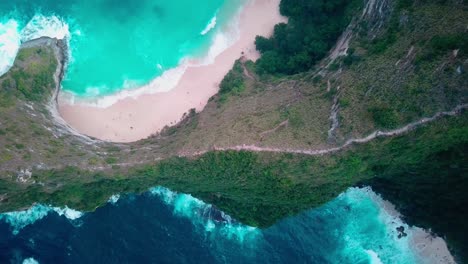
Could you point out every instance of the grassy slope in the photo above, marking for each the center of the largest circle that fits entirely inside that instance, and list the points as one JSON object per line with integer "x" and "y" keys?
{"x": 260, "y": 188}
{"x": 400, "y": 76}
{"x": 28, "y": 136}
{"x": 373, "y": 90}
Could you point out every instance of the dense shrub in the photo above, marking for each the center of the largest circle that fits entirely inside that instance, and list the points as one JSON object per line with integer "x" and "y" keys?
{"x": 313, "y": 28}
{"x": 440, "y": 45}
{"x": 384, "y": 117}
{"x": 233, "y": 82}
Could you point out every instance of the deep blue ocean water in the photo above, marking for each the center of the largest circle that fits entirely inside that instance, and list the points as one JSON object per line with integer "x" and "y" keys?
{"x": 161, "y": 226}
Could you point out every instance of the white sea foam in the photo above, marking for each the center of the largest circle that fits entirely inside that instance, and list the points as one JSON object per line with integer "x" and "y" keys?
{"x": 45, "y": 26}
{"x": 114, "y": 198}
{"x": 222, "y": 40}
{"x": 11, "y": 36}
{"x": 69, "y": 213}
{"x": 209, "y": 26}
{"x": 185, "y": 205}
{"x": 30, "y": 261}
{"x": 10, "y": 42}
{"x": 20, "y": 219}
{"x": 389, "y": 219}
{"x": 374, "y": 257}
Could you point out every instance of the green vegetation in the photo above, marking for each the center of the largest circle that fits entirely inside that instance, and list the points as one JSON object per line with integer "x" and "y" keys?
{"x": 32, "y": 81}
{"x": 312, "y": 29}
{"x": 440, "y": 45}
{"x": 28, "y": 134}
{"x": 384, "y": 117}
{"x": 260, "y": 188}
{"x": 232, "y": 83}
{"x": 407, "y": 71}
{"x": 401, "y": 66}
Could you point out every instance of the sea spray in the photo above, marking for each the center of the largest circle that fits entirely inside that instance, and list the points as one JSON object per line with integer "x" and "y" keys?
{"x": 10, "y": 41}
{"x": 114, "y": 199}
{"x": 355, "y": 227}
{"x": 373, "y": 257}
{"x": 45, "y": 26}
{"x": 20, "y": 219}
{"x": 69, "y": 213}
{"x": 11, "y": 36}
{"x": 30, "y": 261}
{"x": 222, "y": 38}
{"x": 370, "y": 231}
{"x": 120, "y": 47}
{"x": 205, "y": 216}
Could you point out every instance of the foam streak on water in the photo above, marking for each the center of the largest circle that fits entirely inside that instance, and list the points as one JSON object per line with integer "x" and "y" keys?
{"x": 9, "y": 44}
{"x": 175, "y": 227}
{"x": 145, "y": 43}
{"x": 43, "y": 26}
{"x": 209, "y": 26}
{"x": 20, "y": 219}
{"x": 221, "y": 39}
{"x": 30, "y": 261}
{"x": 205, "y": 216}
{"x": 11, "y": 36}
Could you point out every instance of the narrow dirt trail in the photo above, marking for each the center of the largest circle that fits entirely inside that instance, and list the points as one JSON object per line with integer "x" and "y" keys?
{"x": 311, "y": 152}
{"x": 315, "y": 152}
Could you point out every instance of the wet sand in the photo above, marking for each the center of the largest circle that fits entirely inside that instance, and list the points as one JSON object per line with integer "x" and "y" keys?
{"x": 136, "y": 117}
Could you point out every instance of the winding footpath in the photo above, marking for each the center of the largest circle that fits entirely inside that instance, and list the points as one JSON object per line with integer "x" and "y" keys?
{"x": 374, "y": 135}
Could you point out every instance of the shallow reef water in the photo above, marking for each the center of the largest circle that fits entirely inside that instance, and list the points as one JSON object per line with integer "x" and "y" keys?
{"x": 124, "y": 45}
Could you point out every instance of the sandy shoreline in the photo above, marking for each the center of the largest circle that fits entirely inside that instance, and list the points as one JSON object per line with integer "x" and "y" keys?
{"x": 135, "y": 118}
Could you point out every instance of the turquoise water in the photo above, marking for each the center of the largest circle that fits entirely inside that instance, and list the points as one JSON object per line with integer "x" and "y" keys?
{"x": 161, "y": 226}
{"x": 115, "y": 45}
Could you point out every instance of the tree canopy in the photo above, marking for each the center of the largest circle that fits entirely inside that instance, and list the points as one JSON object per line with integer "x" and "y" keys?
{"x": 312, "y": 29}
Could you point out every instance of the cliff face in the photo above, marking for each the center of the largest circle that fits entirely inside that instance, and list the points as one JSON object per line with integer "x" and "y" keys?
{"x": 309, "y": 136}
{"x": 395, "y": 63}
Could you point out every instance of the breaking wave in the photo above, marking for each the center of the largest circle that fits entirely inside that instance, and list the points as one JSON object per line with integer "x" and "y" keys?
{"x": 114, "y": 199}
{"x": 12, "y": 36}
{"x": 30, "y": 261}
{"x": 205, "y": 216}
{"x": 45, "y": 26}
{"x": 10, "y": 41}
{"x": 220, "y": 41}
{"x": 374, "y": 257}
{"x": 356, "y": 227}
{"x": 209, "y": 26}
{"x": 20, "y": 219}
{"x": 159, "y": 48}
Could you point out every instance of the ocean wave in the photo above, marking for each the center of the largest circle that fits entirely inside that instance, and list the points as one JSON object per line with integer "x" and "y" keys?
{"x": 10, "y": 41}
{"x": 69, "y": 213}
{"x": 45, "y": 26}
{"x": 11, "y": 36}
{"x": 211, "y": 24}
{"x": 356, "y": 227}
{"x": 206, "y": 216}
{"x": 221, "y": 40}
{"x": 20, "y": 219}
{"x": 114, "y": 198}
{"x": 374, "y": 257}
{"x": 372, "y": 212}
{"x": 30, "y": 261}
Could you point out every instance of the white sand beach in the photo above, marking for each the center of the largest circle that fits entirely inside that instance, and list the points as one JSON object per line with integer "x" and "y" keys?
{"x": 136, "y": 117}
